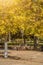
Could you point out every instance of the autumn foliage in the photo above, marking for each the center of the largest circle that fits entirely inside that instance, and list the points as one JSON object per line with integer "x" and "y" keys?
{"x": 25, "y": 15}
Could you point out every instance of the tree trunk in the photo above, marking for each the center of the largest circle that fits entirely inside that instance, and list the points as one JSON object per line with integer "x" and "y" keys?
{"x": 6, "y": 50}
{"x": 9, "y": 36}
{"x": 24, "y": 40}
{"x": 35, "y": 42}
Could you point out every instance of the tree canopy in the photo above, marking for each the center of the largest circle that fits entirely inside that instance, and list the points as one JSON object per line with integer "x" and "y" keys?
{"x": 27, "y": 15}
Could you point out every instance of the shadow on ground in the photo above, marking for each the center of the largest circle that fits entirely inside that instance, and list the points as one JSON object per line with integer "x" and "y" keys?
{"x": 14, "y": 57}
{"x": 11, "y": 57}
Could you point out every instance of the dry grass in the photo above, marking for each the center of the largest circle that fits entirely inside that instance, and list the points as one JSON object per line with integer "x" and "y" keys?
{"x": 22, "y": 58}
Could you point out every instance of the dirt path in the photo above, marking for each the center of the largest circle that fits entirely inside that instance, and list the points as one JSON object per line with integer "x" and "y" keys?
{"x": 22, "y": 58}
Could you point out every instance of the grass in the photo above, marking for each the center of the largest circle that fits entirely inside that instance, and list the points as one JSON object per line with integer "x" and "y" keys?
{"x": 27, "y": 43}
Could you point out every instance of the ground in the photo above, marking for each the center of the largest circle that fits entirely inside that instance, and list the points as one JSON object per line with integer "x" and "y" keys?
{"x": 22, "y": 58}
